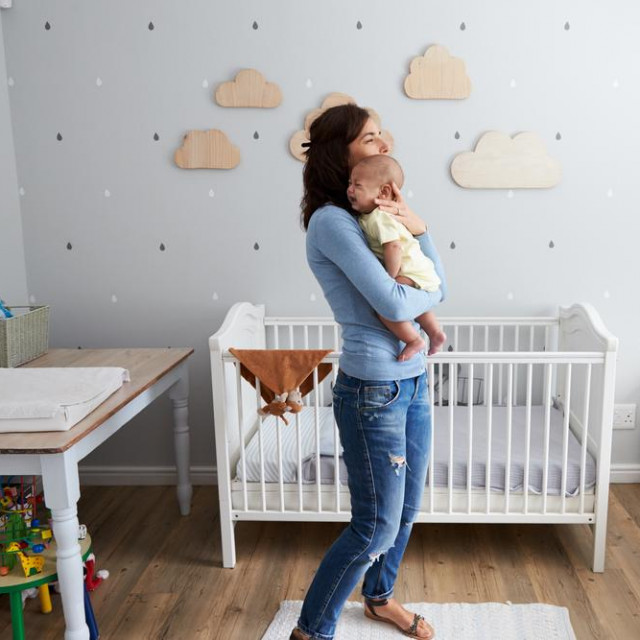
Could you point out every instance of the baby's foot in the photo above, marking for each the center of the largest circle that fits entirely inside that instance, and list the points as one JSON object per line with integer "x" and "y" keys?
{"x": 436, "y": 341}
{"x": 411, "y": 348}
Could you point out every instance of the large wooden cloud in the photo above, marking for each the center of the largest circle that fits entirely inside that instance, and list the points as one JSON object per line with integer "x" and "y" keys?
{"x": 332, "y": 100}
{"x": 207, "y": 150}
{"x": 248, "y": 89}
{"x": 437, "y": 75}
{"x": 502, "y": 162}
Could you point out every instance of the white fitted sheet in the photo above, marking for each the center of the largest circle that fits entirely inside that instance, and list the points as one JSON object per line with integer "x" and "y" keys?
{"x": 308, "y": 448}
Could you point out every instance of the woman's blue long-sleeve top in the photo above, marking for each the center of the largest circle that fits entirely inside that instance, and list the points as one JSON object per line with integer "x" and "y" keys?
{"x": 357, "y": 287}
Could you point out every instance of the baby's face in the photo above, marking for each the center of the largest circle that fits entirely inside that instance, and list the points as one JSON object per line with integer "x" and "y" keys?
{"x": 363, "y": 189}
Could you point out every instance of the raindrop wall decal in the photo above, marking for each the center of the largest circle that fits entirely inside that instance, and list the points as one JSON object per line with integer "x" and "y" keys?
{"x": 205, "y": 84}
{"x": 308, "y": 83}
{"x": 609, "y": 193}
{"x": 513, "y": 84}
{"x": 162, "y": 247}
{"x": 156, "y": 137}
{"x": 457, "y": 135}
{"x": 11, "y": 81}
{"x": 452, "y": 245}
{"x": 98, "y": 82}
{"x": 59, "y": 137}
{"x": 21, "y": 191}
{"x": 256, "y": 135}
{"x": 211, "y": 193}
{"x": 552, "y": 244}
{"x": 567, "y": 26}
{"x": 510, "y": 193}
{"x": 214, "y": 296}
{"x": 359, "y": 25}
{"x": 606, "y": 294}
{"x": 256, "y": 246}
{"x": 463, "y": 26}
{"x": 32, "y": 299}
{"x": 409, "y": 194}
{"x": 510, "y": 296}
{"x": 114, "y": 298}
{"x": 69, "y": 246}
{"x": 151, "y": 26}
{"x": 558, "y": 136}
{"x": 107, "y": 193}
{"x": 312, "y": 297}
{"x": 255, "y": 26}
{"x": 47, "y": 26}
{"x": 615, "y": 84}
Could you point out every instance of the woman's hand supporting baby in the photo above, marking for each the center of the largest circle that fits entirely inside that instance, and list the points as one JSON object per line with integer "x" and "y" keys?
{"x": 399, "y": 208}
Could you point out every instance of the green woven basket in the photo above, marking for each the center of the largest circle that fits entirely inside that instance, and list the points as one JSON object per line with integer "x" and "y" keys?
{"x": 25, "y": 336}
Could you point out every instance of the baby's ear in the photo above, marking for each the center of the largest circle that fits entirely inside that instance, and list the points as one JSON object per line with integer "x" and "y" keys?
{"x": 386, "y": 192}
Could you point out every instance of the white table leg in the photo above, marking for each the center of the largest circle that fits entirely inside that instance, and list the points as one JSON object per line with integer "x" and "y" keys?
{"x": 61, "y": 493}
{"x": 179, "y": 395}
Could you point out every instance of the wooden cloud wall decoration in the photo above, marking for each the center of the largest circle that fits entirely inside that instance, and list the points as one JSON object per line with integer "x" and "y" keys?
{"x": 332, "y": 100}
{"x": 502, "y": 162}
{"x": 207, "y": 150}
{"x": 437, "y": 75}
{"x": 248, "y": 89}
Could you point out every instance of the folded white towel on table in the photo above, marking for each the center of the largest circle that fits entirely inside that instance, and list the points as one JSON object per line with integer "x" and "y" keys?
{"x": 54, "y": 398}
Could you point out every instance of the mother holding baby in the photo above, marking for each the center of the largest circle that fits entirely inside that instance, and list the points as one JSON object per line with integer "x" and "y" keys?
{"x": 380, "y": 403}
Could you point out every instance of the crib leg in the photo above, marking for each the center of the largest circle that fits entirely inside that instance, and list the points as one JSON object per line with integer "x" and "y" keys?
{"x": 227, "y": 527}
{"x": 599, "y": 543}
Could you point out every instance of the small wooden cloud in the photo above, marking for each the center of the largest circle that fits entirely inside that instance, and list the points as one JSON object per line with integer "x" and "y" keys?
{"x": 437, "y": 76}
{"x": 502, "y": 162}
{"x": 332, "y": 100}
{"x": 248, "y": 89}
{"x": 207, "y": 150}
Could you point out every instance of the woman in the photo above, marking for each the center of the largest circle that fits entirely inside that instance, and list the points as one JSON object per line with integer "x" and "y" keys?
{"x": 380, "y": 404}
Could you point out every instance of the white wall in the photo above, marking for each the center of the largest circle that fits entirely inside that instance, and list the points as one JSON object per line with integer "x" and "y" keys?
{"x": 13, "y": 275}
{"x": 107, "y": 83}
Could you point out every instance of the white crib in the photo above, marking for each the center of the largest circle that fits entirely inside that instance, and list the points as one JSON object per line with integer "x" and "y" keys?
{"x": 522, "y": 419}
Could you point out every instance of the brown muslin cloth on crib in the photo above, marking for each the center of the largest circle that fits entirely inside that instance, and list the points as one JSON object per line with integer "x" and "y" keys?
{"x": 282, "y": 370}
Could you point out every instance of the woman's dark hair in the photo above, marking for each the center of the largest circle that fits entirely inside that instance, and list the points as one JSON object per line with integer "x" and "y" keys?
{"x": 325, "y": 177}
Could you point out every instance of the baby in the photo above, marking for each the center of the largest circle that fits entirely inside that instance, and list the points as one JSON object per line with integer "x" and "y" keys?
{"x": 392, "y": 243}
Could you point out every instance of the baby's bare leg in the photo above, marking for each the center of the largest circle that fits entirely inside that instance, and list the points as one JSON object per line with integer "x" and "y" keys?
{"x": 406, "y": 332}
{"x": 430, "y": 325}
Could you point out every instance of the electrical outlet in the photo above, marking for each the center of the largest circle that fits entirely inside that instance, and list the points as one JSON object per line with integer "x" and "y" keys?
{"x": 624, "y": 416}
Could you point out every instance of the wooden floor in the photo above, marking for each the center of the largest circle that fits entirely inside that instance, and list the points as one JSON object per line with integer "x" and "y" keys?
{"x": 166, "y": 578}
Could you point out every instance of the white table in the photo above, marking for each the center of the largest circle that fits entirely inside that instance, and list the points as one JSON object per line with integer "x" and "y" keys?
{"x": 55, "y": 455}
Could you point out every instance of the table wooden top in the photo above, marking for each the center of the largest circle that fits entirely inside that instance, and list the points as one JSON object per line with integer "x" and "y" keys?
{"x": 146, "y": 366}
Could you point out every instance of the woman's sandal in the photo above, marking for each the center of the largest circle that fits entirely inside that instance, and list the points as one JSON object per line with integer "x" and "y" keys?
{"x": 411, "y": 632}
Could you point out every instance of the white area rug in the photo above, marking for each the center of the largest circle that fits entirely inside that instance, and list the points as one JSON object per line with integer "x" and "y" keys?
{"x": 454, "y": 621}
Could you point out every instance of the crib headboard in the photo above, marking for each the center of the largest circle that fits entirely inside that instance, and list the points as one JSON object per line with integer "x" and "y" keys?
{"x": 243, "y": 328}
{"x": 582, "y": 330}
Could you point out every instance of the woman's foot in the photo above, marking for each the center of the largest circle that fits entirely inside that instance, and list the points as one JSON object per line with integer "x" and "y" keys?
{"x": 296, "y": 634}
{"x": 392, "y": 612}
{"x": 436, "y": 341}
{"x": 411, "y": 349}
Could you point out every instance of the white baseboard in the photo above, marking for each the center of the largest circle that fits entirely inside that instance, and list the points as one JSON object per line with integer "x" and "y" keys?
{"x": 93, "y": 475}
{"x": 625, "y": 473}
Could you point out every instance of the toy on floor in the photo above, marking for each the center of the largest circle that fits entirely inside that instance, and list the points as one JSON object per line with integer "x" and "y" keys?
{"x": 22, "y": 536}
{"x": 93, "y": 578}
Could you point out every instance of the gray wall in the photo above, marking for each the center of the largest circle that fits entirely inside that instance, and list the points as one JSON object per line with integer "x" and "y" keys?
{"x": 567, "y": 71}
{"x": 13, "y": 275}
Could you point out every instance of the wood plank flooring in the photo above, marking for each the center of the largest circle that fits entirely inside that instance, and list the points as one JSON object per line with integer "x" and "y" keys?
{"x": 167, "y": 582}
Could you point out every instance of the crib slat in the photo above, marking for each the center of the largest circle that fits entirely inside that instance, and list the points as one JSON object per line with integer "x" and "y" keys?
{"x": 280, "y": 472}
{"x": 516, "y": 347}
{"x": 276, "y": 340}
{"x": 489, "y": 435}
{"x": 470, "y": 451}
{"x": 585, "y": 435}
{"x": 316, "y": 416}
{"x": 548, "y": 374}
{"x": 243, "y": 458}
{"x": 487, "y": 390}
{"x": 565, "y": 437}
{"x": 299, "y": 456}
{"x": 336, "y": 450}
{"x": 431, "y": 369}
{"x": 451, "y": 439}
{"x": 527, "y": 456}
{"x": 263, "y": 489}
{"x": 500, "y": 399}
{"x": 507, "y": 471}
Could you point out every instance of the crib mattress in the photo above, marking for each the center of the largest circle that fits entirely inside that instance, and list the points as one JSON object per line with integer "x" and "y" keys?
{"x": 440, "y": 460}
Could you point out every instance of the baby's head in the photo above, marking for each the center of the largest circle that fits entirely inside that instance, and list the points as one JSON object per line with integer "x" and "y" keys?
{"x": 371, "y": 178}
